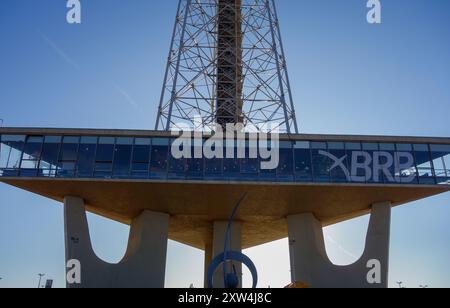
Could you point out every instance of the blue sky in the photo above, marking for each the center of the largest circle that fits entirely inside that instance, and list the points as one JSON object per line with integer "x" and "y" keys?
{"x": 347, "y": 76}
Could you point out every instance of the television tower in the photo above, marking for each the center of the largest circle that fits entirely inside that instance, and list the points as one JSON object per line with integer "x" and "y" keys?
{"x": 226, "y": 65}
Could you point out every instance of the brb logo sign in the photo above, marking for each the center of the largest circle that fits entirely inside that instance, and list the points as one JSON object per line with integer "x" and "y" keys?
{"x": 370, "y": 167}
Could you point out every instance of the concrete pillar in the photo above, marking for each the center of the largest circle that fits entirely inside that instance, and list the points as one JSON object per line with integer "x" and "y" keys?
{"x": 311, "y": 266}
{"x": 144, "y": 264}
{"x": 208, "y": 260}
{"x": 217, "y": 248}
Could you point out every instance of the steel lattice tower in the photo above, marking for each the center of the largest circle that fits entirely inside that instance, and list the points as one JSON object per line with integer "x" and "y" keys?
{"x": 226, "y": 65}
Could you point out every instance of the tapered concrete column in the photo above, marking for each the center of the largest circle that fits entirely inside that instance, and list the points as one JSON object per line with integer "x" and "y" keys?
{"x": 144, "y": 264}
{"x": 310, "y": 264}
{"x": 217, "y": 248}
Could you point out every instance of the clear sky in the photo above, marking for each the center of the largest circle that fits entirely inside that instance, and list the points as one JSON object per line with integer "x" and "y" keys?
{"x": 348, "y": 77}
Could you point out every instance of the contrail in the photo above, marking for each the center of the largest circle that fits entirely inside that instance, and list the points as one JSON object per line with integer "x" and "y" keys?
{"x": 333, "y": 241}
{"x": 127, "y": 96}
{"x": 59, "y": 51}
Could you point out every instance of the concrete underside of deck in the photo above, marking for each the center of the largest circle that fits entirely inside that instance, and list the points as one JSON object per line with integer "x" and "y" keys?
{"x": 194, "y": 206}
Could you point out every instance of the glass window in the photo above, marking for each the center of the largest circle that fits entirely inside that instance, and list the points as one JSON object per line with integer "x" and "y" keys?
{"x": 195, "y": 166}
{"x": 141, "y": 150}
{"x": 68, "y": 156}
{"x": 214, "y": 167}
{"x": 365, "y": 162}
{"x": 303, "y": 166}
{"x": 86, "y": 157}
{"x": 11, "y": 147}
{"x": 48, "y": 165}
{"x": 319, "y": 145}
{"x": 404, "y": 147}
{"x": 370, "y": 146}
{"x": 105, "y": 150}
{"x": 405, "y": 164}
{"x": 441, "y": 162}
{"x": 267, "y": 175}
{"x": 387, "y": 147}
{"x": 31, "y": 155}
{"x": 141, "y": 158}
{"x": 250, "y": 164}
{"x": 159, "y": 158}
{"x": 285, "y": 170}
{"x": 386, "y": 159}
{"x": 122, "y": 157}
{"x": 353, "y": 146}
{"x": 321, "y": 163}
{"x": 231, "y": 165}
{"x": 104, "y": 157}
{"x": 423, "y": 164}
{"x": 339, "y": 173}
{"x": 177, "y": 167}
{"x": 336, "y": 145}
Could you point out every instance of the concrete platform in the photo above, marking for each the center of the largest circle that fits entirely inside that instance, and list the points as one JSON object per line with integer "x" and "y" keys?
{"x": 194, "y": 206}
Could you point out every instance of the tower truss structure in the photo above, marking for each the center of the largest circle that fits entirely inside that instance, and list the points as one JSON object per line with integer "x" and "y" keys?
{"x": 226, "y": 65}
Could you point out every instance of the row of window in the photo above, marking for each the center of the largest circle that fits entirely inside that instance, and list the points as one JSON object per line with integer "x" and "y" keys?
{"x": 150, "y": 158}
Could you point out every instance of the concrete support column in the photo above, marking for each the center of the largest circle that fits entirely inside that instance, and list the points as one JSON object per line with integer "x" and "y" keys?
{"x": 208, "y": 260}
{"x": 144, "y": 264}
{"x": 217, "y": 248}
{"x": 311, "y": 266}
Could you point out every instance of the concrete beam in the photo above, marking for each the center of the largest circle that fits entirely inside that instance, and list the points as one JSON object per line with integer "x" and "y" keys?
{"x": 311, "y": 266}
{"x": 144, "y": 264}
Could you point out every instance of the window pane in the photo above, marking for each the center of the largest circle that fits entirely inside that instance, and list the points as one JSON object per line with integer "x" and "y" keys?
{"x": 441, "y": 163}
{"x": 423, "y": 162}
{"x": 141, "y": 158}
{"x": 336, "y": 146}
{"x": 103, "y": 167}
{"x": 140, "y": 167}
{"x": 195, "y": 169}
{"x": 159, "y": 158}
{"x": 177, "y": 168}
{"x": 68, "y": 156}
{"x": 249, "y": 167}
{"x": 353, "y": 146}
{"x": 340, "y": 173}
{"x": 231, "y": 168}
{"x": 405, "y": 166}
{"x": 49, "y": 157}
{"x": 303, "y": 166}
{"x": 387, "y": 147}
{"x": 384, "y": 164}
{"x": 122, "y": 157}
{"x": 143, "y": 141}
{"x": 104, "y": 157}
{"x": 10, "y": 154}
{"x": 370, "y": 146}
{"x": 250, "y": 164}
{"x": 404, "y": 147}
{"x": 214, "y": 167}
{"x": 105, "y": 150}
{"x": 124, "y": 141}
{"x": 31, "y": 155}
{"x": 302, "y": 145}
{"x": 141, "y": 153}
{"x": 67, "y": 169}
{"x": 33, "y": 148}
{"x": 319, "y": 145}
{"x": 69, "y": 150}
{"x": 321, "y": 166}
{"x": 285, "y": 170}
{"x": 86, "y": 156}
